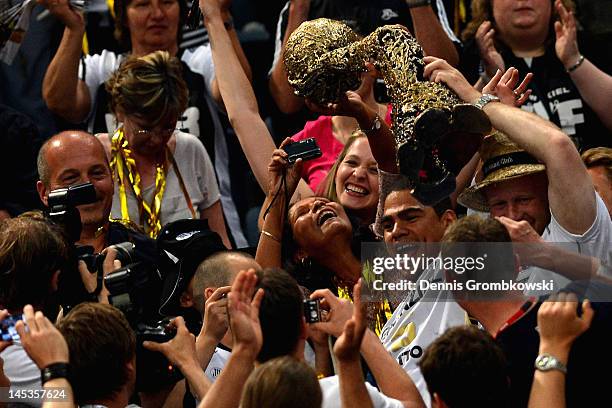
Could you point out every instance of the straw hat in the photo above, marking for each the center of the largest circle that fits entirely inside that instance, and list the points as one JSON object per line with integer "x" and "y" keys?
{"x": 503, "y": 160}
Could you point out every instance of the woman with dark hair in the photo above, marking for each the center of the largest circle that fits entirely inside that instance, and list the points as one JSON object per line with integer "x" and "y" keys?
{"x": 539, "y": 36}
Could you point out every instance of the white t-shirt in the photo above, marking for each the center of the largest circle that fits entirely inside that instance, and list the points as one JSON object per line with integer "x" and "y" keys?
{"x": 99, "y": 68}
{"x": 418, "y": 320}
{"x": 216, "y": 364}
{"x": 595, "y": 242}
{"x": 330, "y": 387}
{"x": 200, "y": 181}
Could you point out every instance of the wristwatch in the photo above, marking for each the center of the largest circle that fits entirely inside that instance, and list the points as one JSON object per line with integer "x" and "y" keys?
{"x": 547, "y": 362}
{"x": 484, "y": 100}
{"x": 376, "y": 125}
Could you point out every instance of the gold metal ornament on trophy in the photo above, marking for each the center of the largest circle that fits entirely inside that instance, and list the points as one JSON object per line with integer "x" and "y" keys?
{"x": 435, "y": 133}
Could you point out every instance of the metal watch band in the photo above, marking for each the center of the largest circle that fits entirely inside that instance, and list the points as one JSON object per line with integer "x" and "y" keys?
{"x": 547, "y": 362}
{"x": 484, "y": 100}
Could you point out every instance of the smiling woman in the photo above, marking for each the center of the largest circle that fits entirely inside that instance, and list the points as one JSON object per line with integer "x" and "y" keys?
{"x": 353, "y": 179}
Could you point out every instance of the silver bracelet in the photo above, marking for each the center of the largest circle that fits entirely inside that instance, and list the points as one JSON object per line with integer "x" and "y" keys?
{"x": 576, "y": 65}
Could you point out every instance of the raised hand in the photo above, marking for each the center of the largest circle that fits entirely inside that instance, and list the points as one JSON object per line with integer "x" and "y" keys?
{"x": 41, "y": 340}
{"x": 278, "y": 167}
{"x": 61, "y": 9}
{"x": 335, "y": 312}
{"x": 440, "y": 71}
{"x": 491, "y": 58}
{"x": 348, "y": 344}
{"x": 180, "y": 350}
{"x": 559, "y": 324}
{"x": 243, "y": 310}
{"x": 503, "y": 86}
{"x": 216, "y": 320}
{"x": 566, "y": 45}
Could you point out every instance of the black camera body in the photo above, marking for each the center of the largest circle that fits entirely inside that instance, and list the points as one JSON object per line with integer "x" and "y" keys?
{"x": 306, "y": 149}
{"x": 312, "y": 310}
{"x": 130, "y": 288}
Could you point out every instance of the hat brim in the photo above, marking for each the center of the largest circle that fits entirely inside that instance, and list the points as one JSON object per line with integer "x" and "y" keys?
{"x": 473, "y": 197}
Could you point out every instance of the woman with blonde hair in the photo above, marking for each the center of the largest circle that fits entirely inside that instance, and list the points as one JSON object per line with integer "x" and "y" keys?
{"x": 161, "y": 174}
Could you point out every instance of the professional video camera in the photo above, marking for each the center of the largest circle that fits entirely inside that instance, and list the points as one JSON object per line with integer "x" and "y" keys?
{"x": 134, "y": 288}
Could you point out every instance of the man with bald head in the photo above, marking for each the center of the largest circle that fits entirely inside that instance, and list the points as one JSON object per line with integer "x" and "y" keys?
{"x": 75, "y": 157}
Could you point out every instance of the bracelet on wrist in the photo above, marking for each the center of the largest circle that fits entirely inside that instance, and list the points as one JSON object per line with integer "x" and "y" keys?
{"x": 576, "y": 65}
{"x": 267, "y": 234}
{"x": 53, "y": 371}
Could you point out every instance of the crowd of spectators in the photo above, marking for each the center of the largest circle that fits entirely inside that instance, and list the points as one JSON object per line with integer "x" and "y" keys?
{"x": 160, "y": 248}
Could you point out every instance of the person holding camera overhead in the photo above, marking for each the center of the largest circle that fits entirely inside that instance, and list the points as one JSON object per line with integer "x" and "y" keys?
{"x": 161, "y": 174}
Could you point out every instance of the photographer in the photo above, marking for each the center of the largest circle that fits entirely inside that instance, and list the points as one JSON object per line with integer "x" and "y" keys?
{"x": 33, "y": 254}
{"x": 74, "y": 157}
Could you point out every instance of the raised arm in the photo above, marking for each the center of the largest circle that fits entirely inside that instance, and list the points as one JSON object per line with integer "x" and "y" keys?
{"x": 429, "y": 32}
{"x": 243, "y": 309}
{"x": 239, "y": 98}
{"x": 275, "y": 205}
{"x": 571, "y": 194}
{"x": 280, "y": 89}
{"x": 244, "y": 62}
{"x": 64, "y": 93}
{"x": 559, "y": 326}
{"x": 594, "y": 85}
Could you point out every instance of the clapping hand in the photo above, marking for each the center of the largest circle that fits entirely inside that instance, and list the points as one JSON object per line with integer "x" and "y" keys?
{"x": 243, "y": 310}
{"x": 491, "y": 58}
{"x": 566, "y": 45}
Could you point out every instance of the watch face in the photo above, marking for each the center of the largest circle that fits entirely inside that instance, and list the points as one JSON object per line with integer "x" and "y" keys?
{"x": 543, "y": 362}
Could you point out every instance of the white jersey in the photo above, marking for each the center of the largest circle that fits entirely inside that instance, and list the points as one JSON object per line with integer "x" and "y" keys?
{"x": 217, "y": 362}
{"x": 418, "y": 320}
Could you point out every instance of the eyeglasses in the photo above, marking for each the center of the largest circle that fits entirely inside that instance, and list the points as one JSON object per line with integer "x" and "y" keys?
{"x": 163, "y": 133}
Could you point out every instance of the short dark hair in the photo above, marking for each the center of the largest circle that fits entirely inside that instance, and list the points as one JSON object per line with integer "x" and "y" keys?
{"x": 32, "y": 249}
{"x": 404, "y": 183}
{"x": 101, "y": 343}
{"x": 466, "y": 368}
{"x": 500, "y": 261}
{"x": 280, "y": 314}
{"x": 282, "y": 382}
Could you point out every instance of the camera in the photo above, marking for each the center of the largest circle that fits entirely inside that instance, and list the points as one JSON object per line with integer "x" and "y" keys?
{"x": 94, "y": 261}
{"x": 306, "y": 149}
{"x": 62, "y": 210}
{"x": 130, "y": 288}
{"x": 312, "y": 310}
{"x": 7, "y": 326}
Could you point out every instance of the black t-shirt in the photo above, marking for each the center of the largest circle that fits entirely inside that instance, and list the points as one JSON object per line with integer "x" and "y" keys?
{"x": 554, "y": 95}
{"x": 589, "y": 359}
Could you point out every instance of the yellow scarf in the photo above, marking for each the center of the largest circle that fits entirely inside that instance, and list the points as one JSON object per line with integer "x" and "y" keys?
{"x": 124, "y": 166}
